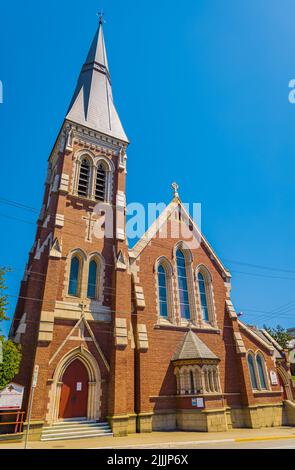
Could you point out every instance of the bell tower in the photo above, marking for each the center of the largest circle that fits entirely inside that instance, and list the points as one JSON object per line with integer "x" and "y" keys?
{"x": 74, "y": 305}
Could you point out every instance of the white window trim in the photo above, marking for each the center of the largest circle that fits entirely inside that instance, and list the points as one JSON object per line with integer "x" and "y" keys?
{"x": 169, "y": 288}
{"x": 265, "y": 371}
{"x": 94, "y": 161}
{"x": 190, "y": 284}
{"x": 85, "y": 260}
{"x": 209, "y": 297}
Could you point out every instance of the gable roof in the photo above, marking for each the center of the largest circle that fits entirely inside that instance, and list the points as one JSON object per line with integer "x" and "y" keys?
{"x": 156, "y": 226}
{"x": 264, "y": 338}
{"x": 191, "y": 347}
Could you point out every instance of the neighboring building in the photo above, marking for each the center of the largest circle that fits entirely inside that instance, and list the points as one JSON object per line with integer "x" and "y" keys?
{"x": 145, "y": 338}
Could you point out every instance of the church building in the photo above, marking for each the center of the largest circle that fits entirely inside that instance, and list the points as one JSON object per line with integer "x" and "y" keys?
{"x": 134, "y": 339}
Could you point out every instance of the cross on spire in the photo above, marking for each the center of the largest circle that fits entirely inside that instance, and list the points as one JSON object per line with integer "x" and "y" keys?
{"x": 175, "y": 188}
{"x": 100, "y": 15}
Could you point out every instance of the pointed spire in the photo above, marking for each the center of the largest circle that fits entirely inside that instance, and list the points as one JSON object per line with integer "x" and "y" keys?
{"x": 97, "y": 52}
{"x": 92, "y": 104}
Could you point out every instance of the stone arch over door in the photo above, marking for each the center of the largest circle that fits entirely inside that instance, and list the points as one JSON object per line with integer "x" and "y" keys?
{"x": 286, "y": 383}
{"x": 94, "y": 384}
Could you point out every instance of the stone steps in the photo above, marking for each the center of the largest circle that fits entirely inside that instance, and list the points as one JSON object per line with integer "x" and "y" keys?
{"x": 75, "y": 429}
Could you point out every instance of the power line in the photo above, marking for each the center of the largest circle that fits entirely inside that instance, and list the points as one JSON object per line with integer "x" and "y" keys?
{"x": 265, "y": 314}
{"x": 264, "y": 275}
{"x": 259, "y": 266}
{"x": 256, "y": 266}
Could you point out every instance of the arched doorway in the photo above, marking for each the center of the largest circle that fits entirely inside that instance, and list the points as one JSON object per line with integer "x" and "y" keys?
{"x": 285, "y": 381}
{"x": 93, "y": 400}
{"x": 74, "y": 391}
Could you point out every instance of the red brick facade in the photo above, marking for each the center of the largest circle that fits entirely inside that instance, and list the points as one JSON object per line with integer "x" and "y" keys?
{"x": 120, "y": 336}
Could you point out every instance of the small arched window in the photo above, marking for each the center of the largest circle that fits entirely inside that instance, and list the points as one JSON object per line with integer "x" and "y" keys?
{"x": 261, "y": 373}
{"x": 252, "y": 371}
{"x": 192, "y": 383}
{"x": 92, "y": 280}
{"x": 162, "y": 287}
{"x": 182, "y": 285}
{"x": 100, "y": 185}
{"x": 84, "y": 177}
{"x": 74, "y": 277}
{"x": 203, "y": 297}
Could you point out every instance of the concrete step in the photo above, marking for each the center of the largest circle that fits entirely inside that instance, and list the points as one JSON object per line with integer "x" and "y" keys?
{"x": 70, "y": 426}
{"x": 76, "y": 436}
{"x": 80, "y": 429}
{"x": 76, "y": 429}
{"x": 69, "y": 422}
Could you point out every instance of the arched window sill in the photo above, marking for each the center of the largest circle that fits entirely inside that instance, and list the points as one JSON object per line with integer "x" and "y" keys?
{"x": 165, "y": 321}
{"x": 88, "y": 199}
{"x": 208, "y": 326}
{"x": 184, "y": 327}
{"x": 203, "y": 395}
{"x": 266, "y": 392}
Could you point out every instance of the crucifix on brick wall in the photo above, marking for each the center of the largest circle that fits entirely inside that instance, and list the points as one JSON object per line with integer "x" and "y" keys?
{"x": 83, "y": 305}
{"x": 90, "y": 221}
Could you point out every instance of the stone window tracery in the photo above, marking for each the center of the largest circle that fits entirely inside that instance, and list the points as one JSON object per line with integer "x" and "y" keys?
{"x": 206, "y": 305}
{"x": 197, "y": 379}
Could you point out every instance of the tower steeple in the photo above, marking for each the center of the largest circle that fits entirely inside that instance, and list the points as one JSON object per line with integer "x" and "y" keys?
{"x": 92, "y": 104}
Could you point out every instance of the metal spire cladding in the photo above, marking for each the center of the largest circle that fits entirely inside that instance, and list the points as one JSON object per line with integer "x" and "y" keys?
{"x": 92, "y": 104}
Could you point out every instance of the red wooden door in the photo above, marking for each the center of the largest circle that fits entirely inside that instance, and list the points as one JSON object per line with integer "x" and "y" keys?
{"x": 74, "y": 392}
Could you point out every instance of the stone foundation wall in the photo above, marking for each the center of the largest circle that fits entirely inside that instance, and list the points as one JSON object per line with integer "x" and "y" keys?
{"x": 258, "y": 416}
{"x": 164, "y": 422}
{"x": 290, "y": 412}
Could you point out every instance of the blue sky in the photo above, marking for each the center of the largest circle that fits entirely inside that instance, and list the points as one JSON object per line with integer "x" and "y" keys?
{"x": 202, "y": 90}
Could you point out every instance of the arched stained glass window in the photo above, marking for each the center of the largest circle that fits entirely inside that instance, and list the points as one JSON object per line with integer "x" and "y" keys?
{"x": 182, "y": 285}
{"x": 74, "y": 276}
{"x": 162, "y": 286}
{"x": 261, "y": 374}
{"x": 83, "y": 185}
{"x": 92, "y": 280}
{"x": 203, "y": 297}
{"x": 252, "y": 371}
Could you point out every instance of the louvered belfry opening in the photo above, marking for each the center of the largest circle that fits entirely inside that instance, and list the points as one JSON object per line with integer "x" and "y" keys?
{"x": 83, "y": 186}
{"x": 100, "y": 186}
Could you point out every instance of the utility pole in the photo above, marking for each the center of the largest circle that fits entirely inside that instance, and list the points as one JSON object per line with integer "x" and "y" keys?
{"x": 34, "y": 383}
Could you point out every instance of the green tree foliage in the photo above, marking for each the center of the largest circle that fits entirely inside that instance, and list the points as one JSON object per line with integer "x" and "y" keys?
{"x": 10, "y": 353}
{"x": 9, "y": 366}
{"x": 3, "y": 297}
{"x": 280, "y": 334}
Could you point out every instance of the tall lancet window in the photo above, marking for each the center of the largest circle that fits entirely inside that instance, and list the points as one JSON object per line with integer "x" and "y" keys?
{"x": 162, "y": 286}
{"x": 203, "y": 297}
{"x": 100, "y": 185}
{"x": 252, "y": 371}
{"x": 182, "y": 285}
{"x": 92, "y": 280}
{"x": 74, "y": 277}
{"x": 260, "y": 366}
{"x": 84, "y": 177}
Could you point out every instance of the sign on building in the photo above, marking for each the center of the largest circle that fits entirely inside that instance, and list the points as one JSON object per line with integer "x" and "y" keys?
{"x": 198, "y": 402}
{"x": 11, "y": 397}
{"x": 273, "y": 377}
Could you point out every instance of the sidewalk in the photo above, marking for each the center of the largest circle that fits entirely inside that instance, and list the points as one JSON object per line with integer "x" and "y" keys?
{"x": 166, "y": 439}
